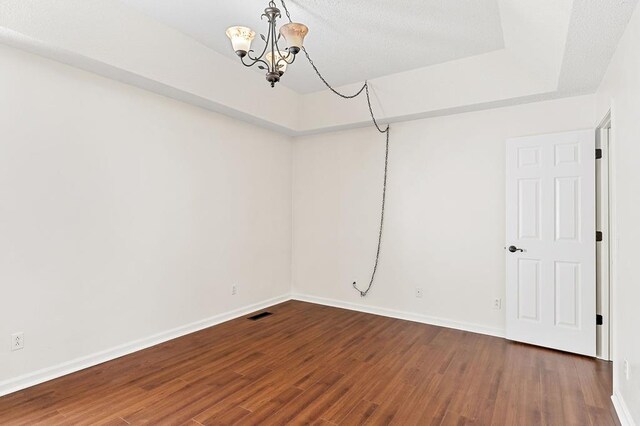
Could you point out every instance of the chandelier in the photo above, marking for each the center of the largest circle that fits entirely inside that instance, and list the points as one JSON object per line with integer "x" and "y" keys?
{"x": 273, "y": 59}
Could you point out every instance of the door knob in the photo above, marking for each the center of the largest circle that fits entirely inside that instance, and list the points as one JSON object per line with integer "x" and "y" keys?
{"x": 514, "y": 249}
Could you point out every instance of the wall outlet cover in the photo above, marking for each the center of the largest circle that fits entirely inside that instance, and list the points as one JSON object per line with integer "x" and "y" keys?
{"x": 497, "y": 304}
{"x": 627, "y": 371}
{"x": 17, "y": 341}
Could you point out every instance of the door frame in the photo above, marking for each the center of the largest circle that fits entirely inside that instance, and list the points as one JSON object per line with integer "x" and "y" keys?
{"x": 605, "y": 255}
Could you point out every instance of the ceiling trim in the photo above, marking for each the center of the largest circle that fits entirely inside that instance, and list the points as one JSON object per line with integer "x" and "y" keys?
{"x": 146, "y": 54}
{"x": 40, "y": 48}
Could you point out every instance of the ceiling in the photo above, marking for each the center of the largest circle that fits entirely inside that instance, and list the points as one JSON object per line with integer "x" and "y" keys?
{"x": 350, "y": 40}
{"x": 422, "y": 58}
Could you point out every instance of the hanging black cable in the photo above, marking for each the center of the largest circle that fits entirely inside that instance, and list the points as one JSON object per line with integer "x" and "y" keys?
{"x": 387, "y": 131}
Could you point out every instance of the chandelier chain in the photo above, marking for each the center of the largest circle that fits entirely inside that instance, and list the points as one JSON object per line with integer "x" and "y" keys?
{"x": 373, "y": 117}
{"x": 313, "y": 65}
{"x": 386, "y": 130}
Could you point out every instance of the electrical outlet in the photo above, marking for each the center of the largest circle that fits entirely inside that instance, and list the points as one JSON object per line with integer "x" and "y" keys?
{"x": 17, "y": 341}
{"x": 627, "y": 371}
{"x": 419, "y": 292}
{"x": 497, "y": 304}
{"x": 234, "y": 290}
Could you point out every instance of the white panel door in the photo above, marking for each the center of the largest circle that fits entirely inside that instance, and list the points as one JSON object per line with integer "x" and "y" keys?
{"x": 550, "y": 248}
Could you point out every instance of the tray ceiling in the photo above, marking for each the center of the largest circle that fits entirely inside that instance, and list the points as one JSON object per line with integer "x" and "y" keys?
{"x": 349, "y": 40}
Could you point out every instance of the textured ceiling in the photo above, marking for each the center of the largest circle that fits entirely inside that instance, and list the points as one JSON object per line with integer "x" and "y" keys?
{"x": 594, "y": 32}
{"x": 350, "y": 40}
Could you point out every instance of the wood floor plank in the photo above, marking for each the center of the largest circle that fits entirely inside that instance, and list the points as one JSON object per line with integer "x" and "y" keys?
{"x": 264, "y": 412}
{"x": 298, "y": 405}
{"x": 360, "y": 413}
{"x": 312, "y": 364}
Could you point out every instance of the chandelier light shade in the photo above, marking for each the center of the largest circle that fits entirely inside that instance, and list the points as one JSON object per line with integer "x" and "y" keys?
{"x": 241, "y": 38}
{"x": 294, "y": 34}
{"x": 273, "y": 58}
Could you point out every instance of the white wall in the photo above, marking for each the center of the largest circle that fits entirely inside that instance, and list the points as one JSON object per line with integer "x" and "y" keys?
{"x": 445, "y": 217}
{"x": 620, "y": 92}
{"x": 124, "y": 214}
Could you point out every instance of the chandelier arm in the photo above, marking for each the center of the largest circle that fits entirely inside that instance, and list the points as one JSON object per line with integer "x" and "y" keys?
{"x": 253, "y": 62}
{"x": 266, "y": 46}
{"x": 285, "y": 61}
{"x": 283, "y": 57}
{"x": 293, "y": 58}
{"x": 255, "y": 59}
{"x": 266, "y": 43}
{"x": 274, "y": 43}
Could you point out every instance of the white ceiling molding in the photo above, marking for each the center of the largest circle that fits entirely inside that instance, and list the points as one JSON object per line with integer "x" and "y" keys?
{"x": 551, "y": 49}
{"x": 19, "y": 41}
{"x": 109, "y": 38}
{"x": 479, "y": 80}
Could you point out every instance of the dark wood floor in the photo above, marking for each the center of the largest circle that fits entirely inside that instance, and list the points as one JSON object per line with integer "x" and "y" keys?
{"x": 320, "y": 365}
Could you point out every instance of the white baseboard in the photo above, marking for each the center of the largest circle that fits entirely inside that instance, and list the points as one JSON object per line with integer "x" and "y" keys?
{"x": 31, "y": 379}
{"x": 50, "y": 373}
{"x": 624, "y": 415}
{"x": 409, "y": 316}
